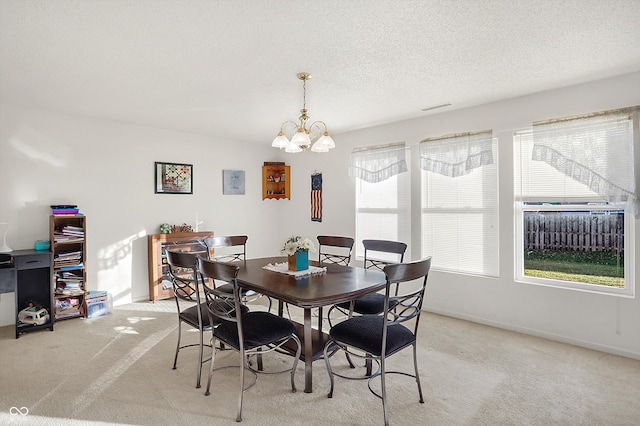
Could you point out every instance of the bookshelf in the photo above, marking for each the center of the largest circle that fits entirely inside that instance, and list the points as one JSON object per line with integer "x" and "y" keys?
{"x": 67, "y": 234}
{"x": 160, "y": 286}
{"x": 276, "y": 179}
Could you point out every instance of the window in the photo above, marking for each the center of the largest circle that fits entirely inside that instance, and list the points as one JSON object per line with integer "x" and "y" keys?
{"x": 460, "y": 203}
{"x": 383, "y": 195}
{"x": 575, "y": 198}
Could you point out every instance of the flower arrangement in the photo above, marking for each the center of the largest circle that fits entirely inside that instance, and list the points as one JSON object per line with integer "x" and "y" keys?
{"x": 296, "y": 243}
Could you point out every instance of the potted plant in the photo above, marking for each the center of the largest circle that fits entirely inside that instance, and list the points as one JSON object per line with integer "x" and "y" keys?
{"x": 297, "y": 249}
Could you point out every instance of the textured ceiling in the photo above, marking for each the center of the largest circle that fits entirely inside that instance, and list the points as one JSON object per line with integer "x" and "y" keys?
{"x": 228, "y": 68}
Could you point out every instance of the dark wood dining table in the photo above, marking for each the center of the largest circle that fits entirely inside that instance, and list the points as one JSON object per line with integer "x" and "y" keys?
{"x": 337, "y": 284}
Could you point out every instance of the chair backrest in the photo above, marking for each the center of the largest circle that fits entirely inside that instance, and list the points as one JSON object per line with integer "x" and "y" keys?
{"x": 220, "y": 305}
{"x": 372, "y": 260}
{"x": 238, "y": 242}
{"x": 408, "y": 304}
{"x": 334, "y": 249}
{"x": 182, "y": 271}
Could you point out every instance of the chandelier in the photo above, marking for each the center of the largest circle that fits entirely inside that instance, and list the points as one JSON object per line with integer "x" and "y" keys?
{"x": 304, "y": 136}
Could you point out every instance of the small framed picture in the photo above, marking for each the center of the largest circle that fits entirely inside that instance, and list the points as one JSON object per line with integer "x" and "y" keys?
{"x": 173, "y": 178}
{"x": 233, "y": 182}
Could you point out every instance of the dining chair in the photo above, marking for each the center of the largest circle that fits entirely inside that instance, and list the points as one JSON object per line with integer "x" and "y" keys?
{"x": 232, "y": 248}
{"x": 378, "y": 337}
{"x": 191, "y": 311}
{"x": 236, "y": 243}
{"x": 377, "y": 254}
{"x": 252, "y": 334}
{"x": 334, "y": 249}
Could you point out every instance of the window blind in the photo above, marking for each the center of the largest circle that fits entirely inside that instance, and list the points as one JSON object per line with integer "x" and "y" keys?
{"x": 594, "y": 150}
{"x": 377, "y": 163}
{"x": 460, "y": 203}
{"x": 383, "y": 195}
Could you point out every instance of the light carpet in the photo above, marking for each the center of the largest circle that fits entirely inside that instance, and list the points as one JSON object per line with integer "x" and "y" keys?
{"x": 116, "y": 369}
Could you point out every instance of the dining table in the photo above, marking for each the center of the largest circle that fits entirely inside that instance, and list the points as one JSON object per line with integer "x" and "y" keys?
{"x": 334, "y": 285}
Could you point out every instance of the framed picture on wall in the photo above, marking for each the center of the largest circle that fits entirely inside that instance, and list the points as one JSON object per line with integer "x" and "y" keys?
{"x": 173, "y": 178}
{"x": 233, "y": 182}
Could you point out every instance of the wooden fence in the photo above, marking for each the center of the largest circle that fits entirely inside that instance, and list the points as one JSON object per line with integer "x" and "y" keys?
{"x": 574, "y": 231}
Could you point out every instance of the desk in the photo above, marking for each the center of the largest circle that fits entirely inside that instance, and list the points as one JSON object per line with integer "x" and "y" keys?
{"x": 338, "y": 284}
{"x": 28, "y": 275}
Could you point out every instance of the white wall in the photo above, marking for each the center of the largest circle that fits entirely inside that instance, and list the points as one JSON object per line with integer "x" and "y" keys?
{"x": 106, "y": 168}
{"x": 601, "y": 322}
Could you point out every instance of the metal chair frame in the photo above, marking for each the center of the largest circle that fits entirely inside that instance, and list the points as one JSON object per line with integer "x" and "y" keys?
{"x": 375, "y": 246}
{"x": 248, "y": 296}
{"x": 228, "y": 241}
{"x": 382, "y": 246}
{"x": 408, "y": 306}
{"x": 345, "y": 247}
{"x": 222, "y": 308}
{"x": 345, "y": 243}
{"x": 182, "y": 271}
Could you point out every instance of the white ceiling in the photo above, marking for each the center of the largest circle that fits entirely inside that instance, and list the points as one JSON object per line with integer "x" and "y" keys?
{"x": 228, "y": 68}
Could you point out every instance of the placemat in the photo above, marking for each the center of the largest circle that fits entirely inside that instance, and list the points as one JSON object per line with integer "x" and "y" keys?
{"x": 283, "y": 268}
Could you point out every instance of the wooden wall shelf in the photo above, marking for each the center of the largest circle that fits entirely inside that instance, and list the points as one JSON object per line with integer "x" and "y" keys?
{"x": 276, "y": 181}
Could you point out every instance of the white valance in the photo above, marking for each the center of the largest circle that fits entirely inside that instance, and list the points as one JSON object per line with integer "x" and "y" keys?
{"x": 457, "y": 154}
{"x": 378, "y": 163}
{"x": 596, "y": 150}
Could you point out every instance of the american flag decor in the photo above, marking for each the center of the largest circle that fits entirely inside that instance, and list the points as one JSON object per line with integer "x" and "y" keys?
{"x": 316, "y": 197}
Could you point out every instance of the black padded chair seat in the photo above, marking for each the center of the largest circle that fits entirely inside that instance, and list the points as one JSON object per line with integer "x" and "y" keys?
{"x": 365, "y": 333}
{"x": 190, "y": 315}
{"x": 260, "y": 328}
{"x": 370, "y": 304}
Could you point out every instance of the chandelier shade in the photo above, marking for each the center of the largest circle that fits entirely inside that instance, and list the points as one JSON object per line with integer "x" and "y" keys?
{"x": 280, "y": 141}
{"x": 315, "y": 136}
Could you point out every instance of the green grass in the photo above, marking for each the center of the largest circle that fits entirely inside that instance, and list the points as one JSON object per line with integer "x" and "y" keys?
{"x": 601, "y": 268}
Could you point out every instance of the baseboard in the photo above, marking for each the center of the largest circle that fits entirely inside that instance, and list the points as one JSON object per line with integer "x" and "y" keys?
{"x": 537, "y": 333}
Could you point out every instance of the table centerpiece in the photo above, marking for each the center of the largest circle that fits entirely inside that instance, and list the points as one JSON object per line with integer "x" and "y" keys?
{"x": 297, "y": 249}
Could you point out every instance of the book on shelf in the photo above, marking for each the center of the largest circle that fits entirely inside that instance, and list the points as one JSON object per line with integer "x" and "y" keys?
{"x": 72, "y": 230}
{"x": 68, "y": 261}
{"x": 62, "y": 212}
{"x": 68, "y": 276}
{"x": 61, "y": 260}
{"x": 67, "y": 254}
{"x": 69, "y": 281}
{"x": 72, "y": 237}
{"x": 67, "y": 237}
{"x": 64, "y": 209}
{"x": 65, "y": 292}
{"x": 67, "y": 230}
{"x": 72, "y": 267}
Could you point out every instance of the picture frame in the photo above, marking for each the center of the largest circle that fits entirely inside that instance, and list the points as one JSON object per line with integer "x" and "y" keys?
{"x": 233, "y": 182}
{"x": 173, "y": 178}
